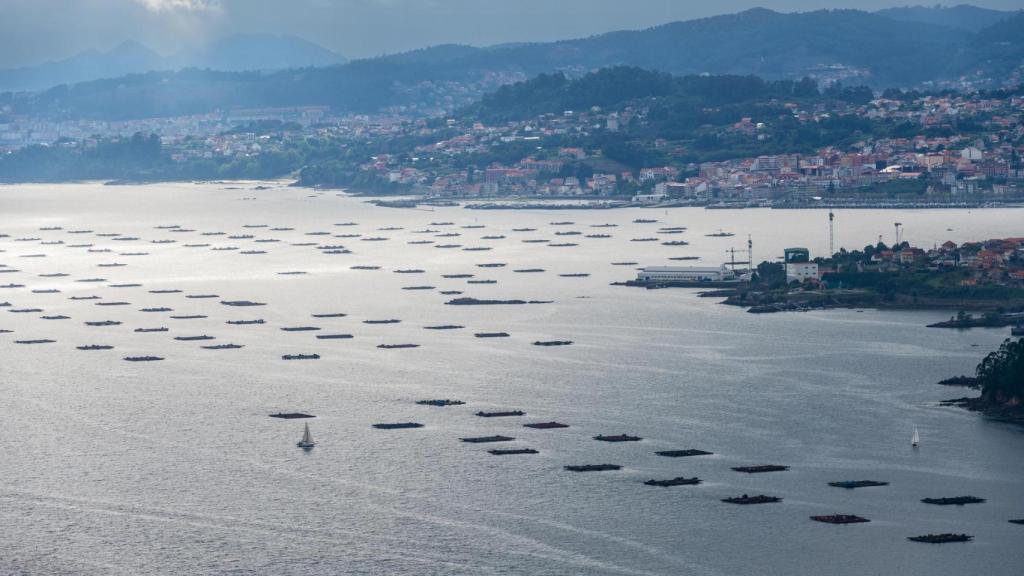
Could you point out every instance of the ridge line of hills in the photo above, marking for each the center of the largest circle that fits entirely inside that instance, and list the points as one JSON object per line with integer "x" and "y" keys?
{"x": 909, "y": 47}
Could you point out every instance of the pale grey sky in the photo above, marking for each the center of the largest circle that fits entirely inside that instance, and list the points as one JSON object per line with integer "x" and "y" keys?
{"x": 33, "y": 31}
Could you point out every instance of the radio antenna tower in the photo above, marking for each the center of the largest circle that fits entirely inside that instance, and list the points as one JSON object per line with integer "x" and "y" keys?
{"x": 750, "y": 253}
{"x": 831, "y": 233}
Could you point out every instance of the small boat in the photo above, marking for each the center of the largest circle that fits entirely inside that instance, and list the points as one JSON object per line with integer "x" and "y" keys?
{"x": 161, "y": 329}
{"x": 720, "y": 234}
{"x": 679, "y": 481}
{"x": 333, "y": 336}
{"x": 291, "y": 415}
{"x": 940, "y": 538}
{"x": 223, "y": 347}
{"x": 300, "y": 357}
{"x": 193, "y": 338}
{"x": 492, "y": 334}
{"x": 397, "y": 346}
{"x": 552, "y": 343}
{"x": 40, "y": 341}
{"x": 915, "y": 439}
{"x": 246, "y": 322}
{"x": 300, "y": 328}
{"x": 546, "y": 425}
{"x": 143, "y": 358}
{"x": 307, "y": 441}
{"x": 95, "y": 347}
{"x": 444, "y": 327}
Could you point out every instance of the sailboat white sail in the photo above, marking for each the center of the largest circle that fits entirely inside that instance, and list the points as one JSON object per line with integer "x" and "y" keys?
{"x": 307, "y": 438}
{"x": 915, "y": 439}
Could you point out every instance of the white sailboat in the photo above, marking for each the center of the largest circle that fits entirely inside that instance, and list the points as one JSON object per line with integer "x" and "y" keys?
{"x": 307, "y": 439}
{"x": 915, "y": 439}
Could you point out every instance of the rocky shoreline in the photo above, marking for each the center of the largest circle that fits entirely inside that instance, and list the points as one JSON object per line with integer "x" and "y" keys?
{"x": 1012, "y": 413}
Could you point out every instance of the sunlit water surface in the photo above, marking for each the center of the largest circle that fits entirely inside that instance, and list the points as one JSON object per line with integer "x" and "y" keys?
{"x": 175, "y": 467}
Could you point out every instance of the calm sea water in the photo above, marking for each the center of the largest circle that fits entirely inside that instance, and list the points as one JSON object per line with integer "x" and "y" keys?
{"x": 173, "y": 467}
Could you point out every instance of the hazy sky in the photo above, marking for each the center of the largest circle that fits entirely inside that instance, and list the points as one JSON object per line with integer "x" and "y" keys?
{"x": 33, "y": 31}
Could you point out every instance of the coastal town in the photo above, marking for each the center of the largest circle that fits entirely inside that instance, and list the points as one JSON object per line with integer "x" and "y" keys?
{"x": 948, "y": 149}
{"x": 978, "y": 276}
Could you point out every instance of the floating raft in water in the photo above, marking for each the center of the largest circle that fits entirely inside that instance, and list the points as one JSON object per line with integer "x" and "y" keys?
{"x": 546, "y": 425}
{"x": 499, "y": 452}
{"x": 444, "y": 402}
{"x": 683, "y": 453}
{"x": 760, "y": 469}
{"x": 760, "y": 499}
{"x": 593, "y": 467}
{"x": 679, "y": 481}
{"x": 487, "y": 439}
{"x": 398, "y": 425}
{"x": 618, "y": 438}
{"x": 851, "y": 484}
{"x": 840, "y": 519}
{"x": 940, "y": 538}
{"x": 956, "y": 500}
{"x": 501, "y": 414}
{"x": 291, "y": 415}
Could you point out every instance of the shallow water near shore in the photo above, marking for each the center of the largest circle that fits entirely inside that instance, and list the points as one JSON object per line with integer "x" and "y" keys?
{"x": 175, "y": 467}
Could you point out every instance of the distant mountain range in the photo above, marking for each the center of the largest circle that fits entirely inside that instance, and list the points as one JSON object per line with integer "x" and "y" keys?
{"x": 962, "y": 16}
{"x": 233, "y": 53}
{"x": 908, "y": 47}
